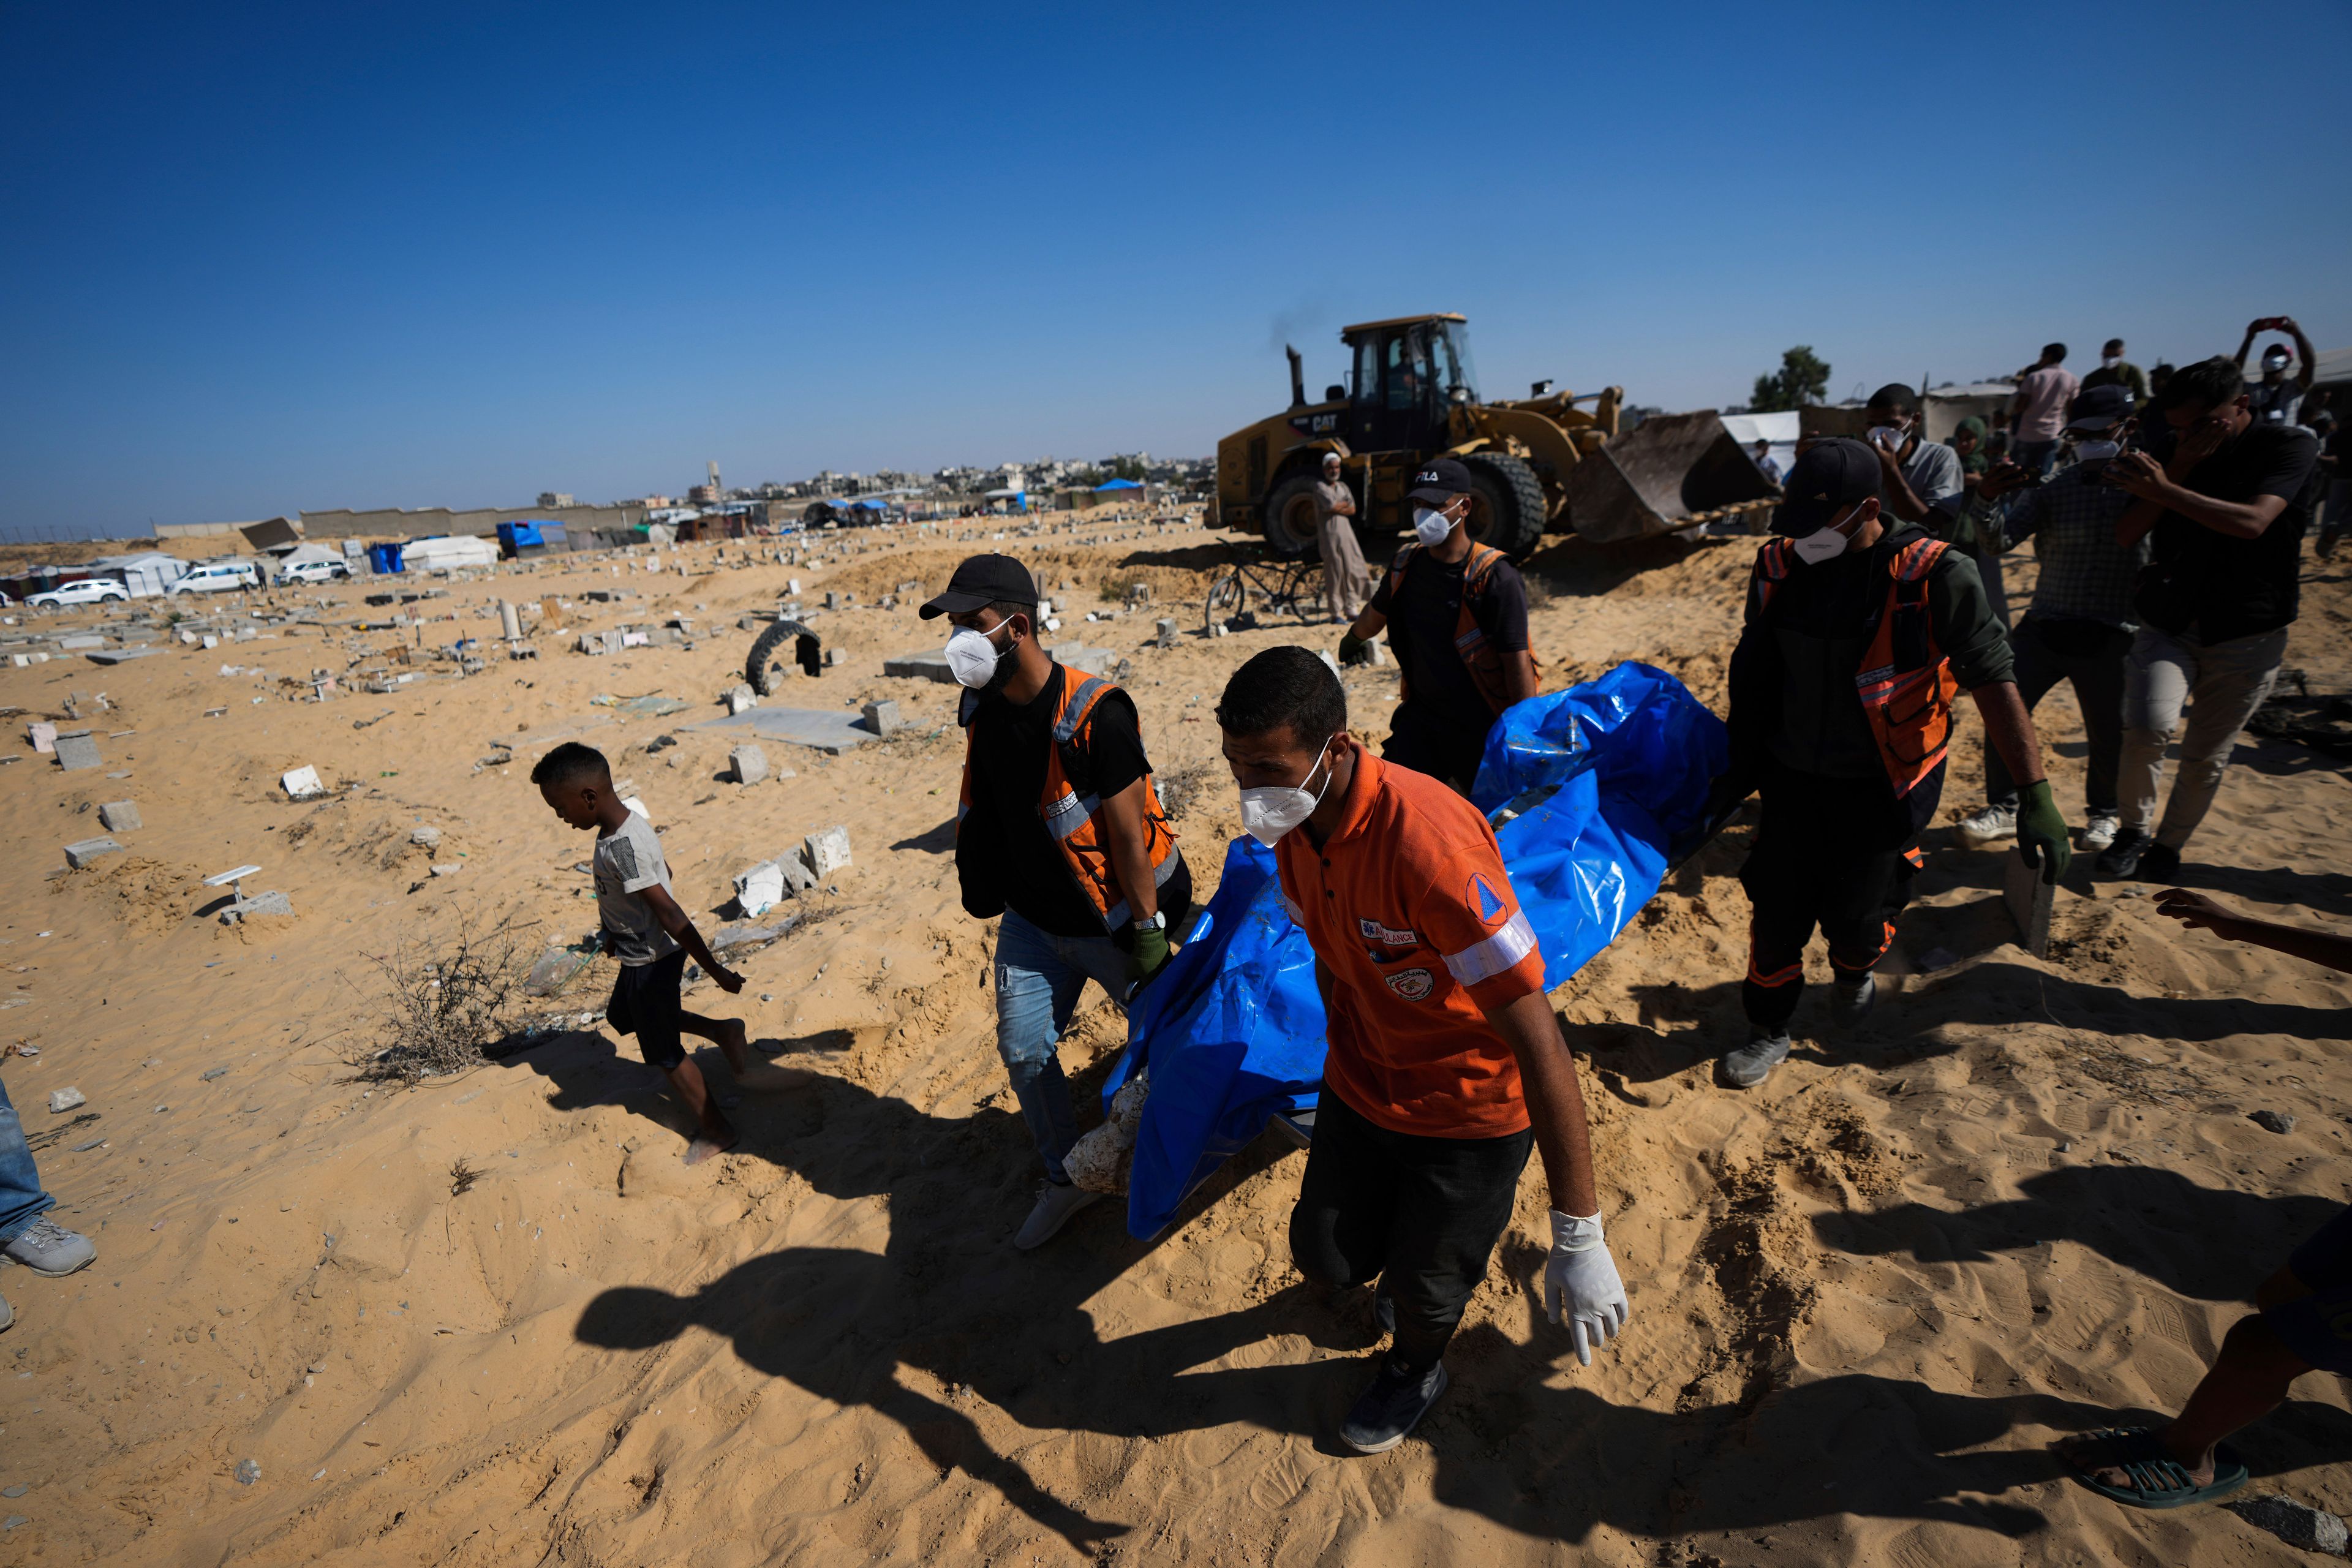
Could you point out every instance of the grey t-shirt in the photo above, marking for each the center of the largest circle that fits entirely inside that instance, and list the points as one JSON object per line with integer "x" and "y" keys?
{"x": 1932, "y": 472}
{"x": 629, "y": 860}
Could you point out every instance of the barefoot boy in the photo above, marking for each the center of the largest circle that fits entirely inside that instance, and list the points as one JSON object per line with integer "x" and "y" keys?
{"x": 652, "y": 937}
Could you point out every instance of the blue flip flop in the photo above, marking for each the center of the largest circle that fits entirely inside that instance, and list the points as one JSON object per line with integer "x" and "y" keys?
{"x": 2158, "y": 1481}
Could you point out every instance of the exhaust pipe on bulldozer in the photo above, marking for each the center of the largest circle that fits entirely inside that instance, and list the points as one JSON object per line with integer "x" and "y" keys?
{"x": 1298, "y": 377}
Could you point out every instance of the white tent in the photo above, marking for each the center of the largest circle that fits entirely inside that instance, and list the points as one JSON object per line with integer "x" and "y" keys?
{"x": 1780, "y": 429}
{"x": 146, "y": 573}
{"x": 301, "y": 554}
{"x": 443, "y": 551}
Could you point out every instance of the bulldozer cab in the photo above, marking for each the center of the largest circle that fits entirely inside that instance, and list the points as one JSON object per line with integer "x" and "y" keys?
{"x": 1408, "y": 375}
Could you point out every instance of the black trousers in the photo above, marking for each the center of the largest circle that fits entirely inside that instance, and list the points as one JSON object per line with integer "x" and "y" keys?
{"x": 1828, "y": 854}
{"x": 1444, "y": 746}
{"x": 1419, "y": 1214}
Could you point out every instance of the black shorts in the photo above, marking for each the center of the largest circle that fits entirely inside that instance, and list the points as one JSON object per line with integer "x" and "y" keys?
{"x": 2318, "y": 1327}
{"x": 646, "y": 1003}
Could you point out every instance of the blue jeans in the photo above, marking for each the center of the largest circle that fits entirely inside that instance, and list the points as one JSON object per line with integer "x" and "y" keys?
{"x": 22, "y": 1201}
{"x": 1038, "y": 978}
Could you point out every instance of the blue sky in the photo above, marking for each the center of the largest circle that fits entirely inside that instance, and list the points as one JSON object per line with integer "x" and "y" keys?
{"x": 265, "y": 259}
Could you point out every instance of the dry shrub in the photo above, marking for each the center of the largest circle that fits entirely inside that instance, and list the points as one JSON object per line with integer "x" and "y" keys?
{"x": 446, "y": 1001}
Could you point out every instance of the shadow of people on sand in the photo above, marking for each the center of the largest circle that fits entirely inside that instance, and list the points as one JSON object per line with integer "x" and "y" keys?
{"x": 949, "y": 1321}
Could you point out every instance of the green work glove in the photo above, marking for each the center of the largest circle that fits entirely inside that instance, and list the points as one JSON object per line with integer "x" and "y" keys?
{"x": 2041, "y": 831}
{"x": 1353, "y": 649}
{"x": 1151, "y": 954}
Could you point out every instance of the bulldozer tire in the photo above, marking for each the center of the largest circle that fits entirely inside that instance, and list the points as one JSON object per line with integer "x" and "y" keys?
{"x": 1290, "y": 519}
{"x": 769, "y": 654}
{"x": 1507, "y": 504}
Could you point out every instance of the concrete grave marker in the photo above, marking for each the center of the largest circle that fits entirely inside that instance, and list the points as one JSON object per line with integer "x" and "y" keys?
{"x": 748, "y": 763}
{"x": 826, "y": 851}
{"x": 83, "y": 852}
{"x": 120, "y": 816}
{"x": 883, "y": 718}
{"x": 78, "y": 749}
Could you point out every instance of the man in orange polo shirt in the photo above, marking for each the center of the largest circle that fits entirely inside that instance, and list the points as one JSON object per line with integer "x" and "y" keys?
{"x": 1444, "y": 1065}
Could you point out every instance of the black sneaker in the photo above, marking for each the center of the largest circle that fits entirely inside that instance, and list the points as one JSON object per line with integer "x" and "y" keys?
{"x": 1850, "y": 1004}
{"x": 2122, "y": 858}
{"x": 1389, "y": 1409}
{"x": 2159, "y": 863}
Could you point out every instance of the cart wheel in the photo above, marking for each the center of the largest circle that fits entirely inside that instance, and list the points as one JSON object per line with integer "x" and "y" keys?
{"x": 1224, "y": 599}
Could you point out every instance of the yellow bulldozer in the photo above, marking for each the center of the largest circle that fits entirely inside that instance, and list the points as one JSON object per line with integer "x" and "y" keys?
{"x": 1550, "y": 462}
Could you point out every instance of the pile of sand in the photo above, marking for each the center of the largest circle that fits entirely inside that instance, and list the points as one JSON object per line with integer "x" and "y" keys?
{"x": 493, "y": 1319}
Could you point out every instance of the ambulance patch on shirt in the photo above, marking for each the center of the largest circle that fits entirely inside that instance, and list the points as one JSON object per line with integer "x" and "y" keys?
{"x": 1412, "y": 985}
{"x": 1374, "y": 931}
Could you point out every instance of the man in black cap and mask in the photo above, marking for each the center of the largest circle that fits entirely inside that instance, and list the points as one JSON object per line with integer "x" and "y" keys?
{"x": 1860, "y": 631}
{"x": 1059, "y": 830}
{"x": 1456, "y": 615}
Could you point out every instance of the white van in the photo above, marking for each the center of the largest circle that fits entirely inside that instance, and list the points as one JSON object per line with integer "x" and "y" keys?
{"x": 217, "y": 577}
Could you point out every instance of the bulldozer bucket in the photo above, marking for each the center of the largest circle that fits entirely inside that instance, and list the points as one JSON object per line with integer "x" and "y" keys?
{"x": 1668, "y": 472}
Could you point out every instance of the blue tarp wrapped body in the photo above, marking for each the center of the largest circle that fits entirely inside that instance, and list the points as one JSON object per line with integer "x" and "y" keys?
{"x": 1605, "y": 776}
{"x": 1596, "y": 782}
{"x": 1232, "y": 1032}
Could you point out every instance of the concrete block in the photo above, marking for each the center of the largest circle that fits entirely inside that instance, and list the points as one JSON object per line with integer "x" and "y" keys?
{"x": 750, "y": 765}
{"x": 835, "y": 657}
{"x": 430, "y": 838}
{"x": 742, "y": 698}
{"x": 883, "y": 718}
{"x": 81, "y": 642}
{"x": 78, "y": 750}
{"x": 826, "y": 851}
{"x": 798, "y": 878}
{"x": 259, "y": 904}
{"x": 1166, "y": 628}
{"x": 44, "y": 736}
{"x": 303, "y": 783}
{"x": 758, "y": 889}
{"x": 67, "y": 1098}
{"x": 83, "y": 852}
{"x": 120, "y": 816}
{"x": 833, "y": 601}
{"x": 925, "y": 664}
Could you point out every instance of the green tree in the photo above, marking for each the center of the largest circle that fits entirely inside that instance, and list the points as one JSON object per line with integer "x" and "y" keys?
{"x": 1803, "y": 377}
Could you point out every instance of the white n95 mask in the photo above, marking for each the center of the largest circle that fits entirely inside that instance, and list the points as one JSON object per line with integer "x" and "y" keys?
{"x": 1431, "y": 527}
{"x": 2096, "y": 451}
{"x": 1821, "y": 544}
{"x": 972, "y": 657}
{"x": 1269, "y": 813}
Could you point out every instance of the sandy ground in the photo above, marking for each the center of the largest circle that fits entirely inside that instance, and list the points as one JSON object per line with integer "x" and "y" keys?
{"x": 2025, "y": 1195}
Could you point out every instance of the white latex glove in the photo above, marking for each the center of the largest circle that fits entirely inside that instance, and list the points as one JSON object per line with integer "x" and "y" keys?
{"x": 1581, "y": 1282}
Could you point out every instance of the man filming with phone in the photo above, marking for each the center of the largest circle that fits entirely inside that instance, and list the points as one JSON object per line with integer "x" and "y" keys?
{"x": 2223, "y": 501}
{"x": 2277, "y": 397}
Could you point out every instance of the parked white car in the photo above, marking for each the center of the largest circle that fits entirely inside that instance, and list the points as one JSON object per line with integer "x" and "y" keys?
{"x": 88, "y": 590}
{"x": 313, "y": 571}
{"x": 217, "y": 577}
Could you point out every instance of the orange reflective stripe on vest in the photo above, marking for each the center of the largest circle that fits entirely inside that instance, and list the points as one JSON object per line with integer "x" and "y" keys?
{"x": 1074, "y": 821}
{"x": 1905, "y": 683}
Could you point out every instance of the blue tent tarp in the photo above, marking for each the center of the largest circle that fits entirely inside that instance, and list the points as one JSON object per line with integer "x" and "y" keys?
{"x": 1117, "y": 485}
{"x": 1590, "y": 786}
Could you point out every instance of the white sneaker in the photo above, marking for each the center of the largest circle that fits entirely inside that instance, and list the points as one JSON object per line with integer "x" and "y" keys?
{"x": 1055, "y": 1204}
{"x": 2100, "y": 831}
{"x": 1990, "y": 825}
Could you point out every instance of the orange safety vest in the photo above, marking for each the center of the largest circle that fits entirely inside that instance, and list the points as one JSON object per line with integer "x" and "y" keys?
{"x": 1072, "y": 820}
{"x": 1483, "y": 661}
{"x": 1906, "y": 681}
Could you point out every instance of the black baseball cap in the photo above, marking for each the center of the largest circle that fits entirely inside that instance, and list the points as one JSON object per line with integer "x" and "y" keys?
{"x": 1438, "y": 481}
{"x": 1827, "y": 477}
{"x": 2098, "y": 408}
{"x": 983, "y": 581}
